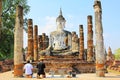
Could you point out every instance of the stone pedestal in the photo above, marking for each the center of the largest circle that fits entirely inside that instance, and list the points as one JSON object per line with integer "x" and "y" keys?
{"x": 100, "y": 71}
{"x": 18, "y": 70}
{"x": 65, "y": 64}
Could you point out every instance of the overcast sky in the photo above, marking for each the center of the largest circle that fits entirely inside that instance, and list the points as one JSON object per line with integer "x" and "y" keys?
{"x": 45, "y": 12}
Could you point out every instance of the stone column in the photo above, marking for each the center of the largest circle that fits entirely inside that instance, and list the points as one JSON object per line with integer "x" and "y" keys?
{"x": 100, "y": 52}
{"x": 43, "y": 40}
{"x": 30, "y": 40}
{"x": 0, "y": 17}
{"x": 74, "y": 42}
{"x": 89, "y": 39}
{"x": 18, "y": 43}
{"x": 70, "y": 41}
{"x": 81, "y": 42}
{"x": 40, "y": 42}
{"x": 35, "y": 42}
{"x": 47, "y": 41}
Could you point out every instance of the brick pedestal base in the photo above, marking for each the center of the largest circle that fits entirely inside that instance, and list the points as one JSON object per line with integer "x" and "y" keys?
{"x": 100, "y": 73}
{"x": 18, "y": 70}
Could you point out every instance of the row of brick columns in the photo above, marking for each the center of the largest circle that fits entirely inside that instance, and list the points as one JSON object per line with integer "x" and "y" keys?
{"x": 43, "y": 41}
{"x": 32, "y": 52}
{"x": 99, "y": 50}
{"x": 33, "y": 42}
{"x": 90, "y": 54}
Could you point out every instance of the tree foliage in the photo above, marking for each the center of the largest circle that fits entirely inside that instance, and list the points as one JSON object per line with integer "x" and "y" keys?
{"x": 8, "y": 22}
{"x": 117, "y": 54}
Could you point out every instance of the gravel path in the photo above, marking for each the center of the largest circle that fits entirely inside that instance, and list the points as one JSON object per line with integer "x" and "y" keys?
{"x": 108, "y": 76}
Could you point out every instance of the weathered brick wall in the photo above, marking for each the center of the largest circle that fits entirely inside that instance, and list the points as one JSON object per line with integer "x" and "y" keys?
{"x": 6, "y": 65}
{"x": 115, "y": 66}
{"x": 67, "y": 63}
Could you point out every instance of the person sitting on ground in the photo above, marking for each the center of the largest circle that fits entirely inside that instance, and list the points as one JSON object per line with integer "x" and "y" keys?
{"x": 41, "y": 66}
{"x": 73, "y": 73}
{"x": 52, "y": 72}
{"x": 69, "y": 72}
{"x": 28, "y": 68}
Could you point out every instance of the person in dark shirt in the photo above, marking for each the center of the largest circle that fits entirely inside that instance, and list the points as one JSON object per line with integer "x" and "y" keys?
{"x": 41, "y": 66}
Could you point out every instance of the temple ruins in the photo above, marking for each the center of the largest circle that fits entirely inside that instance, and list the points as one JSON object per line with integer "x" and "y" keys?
{"x": 62, "y": 49}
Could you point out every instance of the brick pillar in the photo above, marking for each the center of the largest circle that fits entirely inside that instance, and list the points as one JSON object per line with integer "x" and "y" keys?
{"x": 40, "y": 42}
{"x": 70, "y": 41}
{"x": 75, "y": 42}
{"x": 89, "y": 39}
{"x": 47, "y": 41}
{"x": 35, "y": 42}
{"x": 18, "y": 43}
{"x": 81, "y": 42}
{"x": 43, "y": 40}
{"x": 30, "y": 40}
{"x": 100, "y": 51}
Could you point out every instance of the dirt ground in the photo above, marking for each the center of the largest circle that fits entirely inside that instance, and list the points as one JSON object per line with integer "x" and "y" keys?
{"x": 108, "y": 76}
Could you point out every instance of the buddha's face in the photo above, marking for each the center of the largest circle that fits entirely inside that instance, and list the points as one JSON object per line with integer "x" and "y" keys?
{"x": 61, "y": 25}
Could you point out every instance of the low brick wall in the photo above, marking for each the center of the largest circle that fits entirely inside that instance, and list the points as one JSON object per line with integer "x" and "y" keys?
{"x": 78, "y": 65}
{"x": 115, "y": 66}
{"x": 6, "y": 65}
{"x": 66, "y": 64}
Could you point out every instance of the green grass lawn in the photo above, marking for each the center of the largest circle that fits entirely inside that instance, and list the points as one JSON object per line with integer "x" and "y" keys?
{"x": 113, "y": 71}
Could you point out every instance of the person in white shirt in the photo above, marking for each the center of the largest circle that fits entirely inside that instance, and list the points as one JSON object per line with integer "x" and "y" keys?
{"x": 28, "y": 68}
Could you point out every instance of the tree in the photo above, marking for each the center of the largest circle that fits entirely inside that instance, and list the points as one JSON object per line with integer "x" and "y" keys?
{"x": 0, "y": 16}
{"x": 117, "y": 54}
{"x": 8, "y": 22}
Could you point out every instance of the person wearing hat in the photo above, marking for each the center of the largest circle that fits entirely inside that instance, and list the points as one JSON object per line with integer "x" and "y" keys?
{"x": 41, "y": 66}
